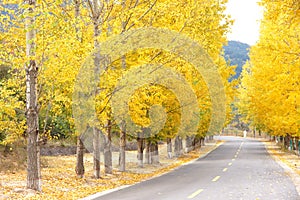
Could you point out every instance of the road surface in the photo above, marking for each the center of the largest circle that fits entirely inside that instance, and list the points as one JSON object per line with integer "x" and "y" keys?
{"x": 240, "y": 169}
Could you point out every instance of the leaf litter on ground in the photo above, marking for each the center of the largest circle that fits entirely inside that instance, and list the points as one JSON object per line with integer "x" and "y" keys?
{"x": 59, "y": 180}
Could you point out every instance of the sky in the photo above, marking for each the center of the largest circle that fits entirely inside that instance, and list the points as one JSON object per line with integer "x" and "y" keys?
{"x": 246, "y": 14}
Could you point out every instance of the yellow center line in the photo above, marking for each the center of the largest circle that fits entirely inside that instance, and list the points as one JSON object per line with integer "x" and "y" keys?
{"x": 216, "y": 178}
{"x": 225, "y": 169}
{"x": 229, "y": 164}
{"x": 195, "y": 194}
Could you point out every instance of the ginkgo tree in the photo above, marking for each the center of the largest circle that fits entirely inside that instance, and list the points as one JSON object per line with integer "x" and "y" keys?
{"x": 269, "y": 94}
{"x": 190, "y": 20}
{"x": 58, "y": 55}
{"x": 61, "y": 34}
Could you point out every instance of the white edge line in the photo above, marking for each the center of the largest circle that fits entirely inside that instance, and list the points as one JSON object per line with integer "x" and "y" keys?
{"x": 93, "y": 196}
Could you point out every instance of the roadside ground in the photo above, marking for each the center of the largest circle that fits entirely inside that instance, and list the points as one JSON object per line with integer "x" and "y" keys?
{"x": 288, "y": 160}
{"x": 59, "y": 180}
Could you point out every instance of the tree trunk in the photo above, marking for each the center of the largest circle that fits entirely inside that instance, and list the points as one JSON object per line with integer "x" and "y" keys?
{"x": 199, "y": 144}
{"x": 96, "y": 152}
{"x": 140, "y": 149}
{"x": 202, "y": 141}
{"x": 169, "y": 148}
{"x": 107, "y": 146}
{"x": 32, "y": 120}
{"x": 178, "y": 146}
{"x": 79, "y": 161}
{"x": 122, "y": 158}
{"x": 196, "y": 142}
{"x": 286, "y": 141}
{"x": 97, "y": 21}
{"x": 154, "y": 154}
{"x": 147, "y": 153}
{"x": 293, "y": 144}
{"x": 189, "y": 144}
{"x": 296, "y": 144}
{"x": 107, "y": 149}
{"x": 79, "y": 169}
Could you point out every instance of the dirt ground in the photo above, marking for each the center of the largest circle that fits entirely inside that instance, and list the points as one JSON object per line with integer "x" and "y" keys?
{"x": 59, "y": 180}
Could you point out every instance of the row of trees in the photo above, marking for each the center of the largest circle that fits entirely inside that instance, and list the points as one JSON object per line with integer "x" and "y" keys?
{"x": 270, "y": 88}
{"x": 52, "y": 39}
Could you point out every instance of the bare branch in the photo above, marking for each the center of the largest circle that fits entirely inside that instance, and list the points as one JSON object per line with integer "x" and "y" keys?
{"x": 143, "y": 15}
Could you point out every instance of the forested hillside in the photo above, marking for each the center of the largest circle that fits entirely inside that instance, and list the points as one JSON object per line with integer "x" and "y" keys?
{"x": 237, "y": 53}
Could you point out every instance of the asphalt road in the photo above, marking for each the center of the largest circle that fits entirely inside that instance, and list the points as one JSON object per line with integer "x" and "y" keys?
{"x": 239, "y": 169}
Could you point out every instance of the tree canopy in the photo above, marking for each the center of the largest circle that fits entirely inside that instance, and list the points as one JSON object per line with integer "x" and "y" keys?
{"x": 270, "y": 89}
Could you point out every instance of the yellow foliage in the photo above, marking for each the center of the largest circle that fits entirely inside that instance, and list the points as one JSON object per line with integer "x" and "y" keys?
{"x": 270, "y": 87}
{"x": 64, "y": 41}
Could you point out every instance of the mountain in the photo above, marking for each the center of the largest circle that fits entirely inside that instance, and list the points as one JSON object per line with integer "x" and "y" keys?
{"x": 237, "y": 53}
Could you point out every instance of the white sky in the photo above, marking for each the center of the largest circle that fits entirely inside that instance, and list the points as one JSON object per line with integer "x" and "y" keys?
{"x": 246, "y": 14}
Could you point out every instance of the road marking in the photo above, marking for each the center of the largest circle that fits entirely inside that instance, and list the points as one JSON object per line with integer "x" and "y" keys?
{"x": 216, "y": 178}
{"x": 229, "y": 164}
{"x": 225, "y": 169}
{"x": 195, "y": 194}
{"x": 233, "y": 159}
{"x": 236, "y": 156}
